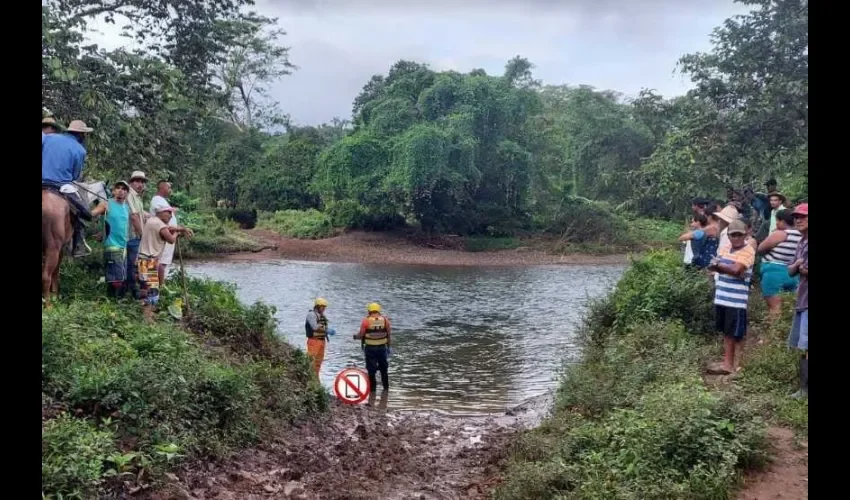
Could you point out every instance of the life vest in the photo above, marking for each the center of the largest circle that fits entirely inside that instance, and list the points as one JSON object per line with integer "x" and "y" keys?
{"x": 322, "y": 328}
{"x": 376, "y": 331}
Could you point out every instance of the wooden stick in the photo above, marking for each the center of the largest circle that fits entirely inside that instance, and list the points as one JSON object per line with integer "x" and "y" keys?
{"x": 183, "y": 276}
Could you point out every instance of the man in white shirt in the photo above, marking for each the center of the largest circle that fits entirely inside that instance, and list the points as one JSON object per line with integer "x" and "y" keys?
{"x": 159, "y": 202}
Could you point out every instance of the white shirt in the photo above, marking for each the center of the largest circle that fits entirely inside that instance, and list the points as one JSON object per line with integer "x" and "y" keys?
{"x": 158, "y": 202}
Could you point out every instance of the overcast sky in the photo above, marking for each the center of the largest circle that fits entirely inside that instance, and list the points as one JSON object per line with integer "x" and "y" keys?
{"x": 621, "y": 45}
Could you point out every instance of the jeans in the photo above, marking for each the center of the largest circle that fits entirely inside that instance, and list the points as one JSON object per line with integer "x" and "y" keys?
{"x": 132, "y": 270}
{"x": 376, "y": 360}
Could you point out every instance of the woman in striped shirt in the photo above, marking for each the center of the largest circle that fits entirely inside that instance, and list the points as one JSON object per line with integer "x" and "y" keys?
{"x": 778, "y": 253}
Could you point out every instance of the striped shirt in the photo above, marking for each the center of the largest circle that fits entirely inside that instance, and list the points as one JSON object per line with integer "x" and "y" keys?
{"x": 732, "y": 291}
{"x": 784, "y": 252}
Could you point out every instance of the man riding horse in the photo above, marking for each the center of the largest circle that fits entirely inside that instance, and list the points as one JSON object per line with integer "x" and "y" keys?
{"x": 62, "y": 159}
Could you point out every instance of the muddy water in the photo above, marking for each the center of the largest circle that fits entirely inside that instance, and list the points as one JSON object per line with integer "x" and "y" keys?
{"x": 466, "y": 340}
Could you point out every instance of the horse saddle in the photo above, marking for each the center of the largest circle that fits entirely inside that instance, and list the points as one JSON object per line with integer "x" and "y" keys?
{"x": 71, "y": 194}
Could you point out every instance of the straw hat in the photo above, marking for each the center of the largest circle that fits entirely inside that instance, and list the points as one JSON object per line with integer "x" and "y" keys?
{"x": 79, "y": 126}
{"x": 51, "y": 121}
{"x": 728, "y": 214}
{"x": 138, "y": 175}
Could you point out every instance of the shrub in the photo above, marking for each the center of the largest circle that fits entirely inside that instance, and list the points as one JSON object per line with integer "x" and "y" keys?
{"x": 213, "y": 236}
{"x": 73, "y": 455}
{"x": 167, "y": 393}
{"x": 307, "y": 224}
{"x": 656, "y": 287}
{"x": 580, "y": 220}
{"x": 245, "y": 218}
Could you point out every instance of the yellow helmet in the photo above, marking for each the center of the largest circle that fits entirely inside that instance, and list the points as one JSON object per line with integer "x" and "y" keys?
{"x": 320, "y": 302}
{"x": 374, "y": 307}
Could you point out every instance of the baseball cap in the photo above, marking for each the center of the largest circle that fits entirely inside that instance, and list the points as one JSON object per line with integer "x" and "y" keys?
{"x": 737, "y": 227}
{"x": 802, "y": 209}
{"x": 166, "y": 209}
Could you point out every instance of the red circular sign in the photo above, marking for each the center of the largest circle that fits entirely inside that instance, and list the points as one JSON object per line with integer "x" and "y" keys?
{"x": 352, "y": 386}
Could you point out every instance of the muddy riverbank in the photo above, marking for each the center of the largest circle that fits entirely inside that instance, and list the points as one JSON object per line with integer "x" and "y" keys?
{"x": 364, "y": 453}
{"x": 400, "y": 248}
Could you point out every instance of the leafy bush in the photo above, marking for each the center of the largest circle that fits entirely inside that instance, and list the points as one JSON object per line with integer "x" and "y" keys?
{"x": 579, "y": 220}
{"x": 167, "y": 392}
{"x": 73, "y": 457}
{"x": 655, "y": 287}
{"x": 308, "y": 224}
{"x": 213, "y": 236}
{"x": 247, "y": 219}
{"x": 634, "y": 420}
{"x": 352, "y": 215}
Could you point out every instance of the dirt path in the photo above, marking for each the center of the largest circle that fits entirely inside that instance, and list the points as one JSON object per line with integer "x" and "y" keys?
{"x": 365, "y": 453}
{"x": 787, "y": 477}
{"x": 387, "y": 248}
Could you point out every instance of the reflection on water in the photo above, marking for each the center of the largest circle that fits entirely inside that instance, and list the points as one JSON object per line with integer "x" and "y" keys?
{"x": 465, "y": 339}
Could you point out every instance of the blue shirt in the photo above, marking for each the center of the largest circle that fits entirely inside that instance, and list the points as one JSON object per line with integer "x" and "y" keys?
{"x": 62, "y": 158}
{"x": 118, "y": 221}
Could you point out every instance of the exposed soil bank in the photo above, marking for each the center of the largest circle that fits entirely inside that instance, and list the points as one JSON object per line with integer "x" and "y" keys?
{"x": 397, "y": 248}
{"x": 366, "y": 453}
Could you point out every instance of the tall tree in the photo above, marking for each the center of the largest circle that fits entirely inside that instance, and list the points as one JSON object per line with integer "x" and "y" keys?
{"x": 255, "y": 60}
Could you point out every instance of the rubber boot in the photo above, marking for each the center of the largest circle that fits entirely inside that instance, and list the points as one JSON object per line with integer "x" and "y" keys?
{"x": 804, "y": 380}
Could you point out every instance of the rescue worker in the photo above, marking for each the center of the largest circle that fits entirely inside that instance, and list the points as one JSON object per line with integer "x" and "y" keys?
{"x": 376, "y": 338}
{"x": 317, "y": 333}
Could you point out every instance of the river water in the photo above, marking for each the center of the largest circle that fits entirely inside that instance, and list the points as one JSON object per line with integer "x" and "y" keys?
{"x": 466, "y": 340}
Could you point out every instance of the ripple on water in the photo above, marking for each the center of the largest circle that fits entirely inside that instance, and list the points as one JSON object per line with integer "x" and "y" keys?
{"x": 465, "y": 339}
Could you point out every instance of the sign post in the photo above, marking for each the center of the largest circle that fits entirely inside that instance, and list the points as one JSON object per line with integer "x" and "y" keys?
{"x": 351, "y": 386}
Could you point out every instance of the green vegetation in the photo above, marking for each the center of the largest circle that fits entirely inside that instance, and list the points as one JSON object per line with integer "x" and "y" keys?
{"x": 305, "y": 224}
{"x": 471, "y": 153}
{"x": 634, "y": 419}
{"x": 120, "y": 396}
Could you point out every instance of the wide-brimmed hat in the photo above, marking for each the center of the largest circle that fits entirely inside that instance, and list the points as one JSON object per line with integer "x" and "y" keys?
{"x": 138, "y": 175}
{"x": 728, "y": 214}
{"x": 802, "y": 209}
{"x": 80, "y": 127}
{"x": 737, "y": 227}
{"x": 122, "y": 183}
{"x": 49, "y": 120}
{"x": 780, "y": 195}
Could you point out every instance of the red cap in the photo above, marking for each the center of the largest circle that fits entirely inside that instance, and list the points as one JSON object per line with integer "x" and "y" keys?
{"x": 802, "y": 209}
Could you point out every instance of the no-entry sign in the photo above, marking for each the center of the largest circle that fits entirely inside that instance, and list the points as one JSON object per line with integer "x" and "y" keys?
{"x": 352, "y": 386}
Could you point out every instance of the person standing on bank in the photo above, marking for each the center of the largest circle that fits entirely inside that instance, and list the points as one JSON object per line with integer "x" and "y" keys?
{"x": 799, "y": 337}
{"x": 375, "y": 337}
{"x": 160, "y": 200}
{"x": 317, "y": 333}
{"x": 138, "y": 217}
{"x": 734, "y": 268}
{"x": 117, "y": 215}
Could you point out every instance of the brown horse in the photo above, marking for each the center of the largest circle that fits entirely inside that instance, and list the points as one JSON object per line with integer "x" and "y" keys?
{"x": 57, "y": 231}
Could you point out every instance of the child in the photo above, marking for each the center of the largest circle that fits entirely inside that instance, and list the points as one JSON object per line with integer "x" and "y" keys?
{"x": 734, "y": 268}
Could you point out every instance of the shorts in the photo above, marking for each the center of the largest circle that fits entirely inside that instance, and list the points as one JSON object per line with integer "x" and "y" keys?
{"x": 115, "y": 261}
{"x": 775, "y": 279}
{"x": 167, "y": 254}
{"x": 731, "y": 321}
{"x": 799, "y": 337}
{"x": 148, "y": 277}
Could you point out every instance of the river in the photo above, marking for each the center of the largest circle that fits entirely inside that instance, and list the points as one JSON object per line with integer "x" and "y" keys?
{"x": 466, "y": 340}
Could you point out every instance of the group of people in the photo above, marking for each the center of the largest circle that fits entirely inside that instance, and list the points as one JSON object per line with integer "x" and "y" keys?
{"x": 138, "y": 244}
{"x": 724, "y": 243}
{"x": 375, "y": 336}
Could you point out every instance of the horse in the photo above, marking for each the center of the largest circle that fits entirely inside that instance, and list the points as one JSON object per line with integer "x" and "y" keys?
{"x": 57, "y": 230}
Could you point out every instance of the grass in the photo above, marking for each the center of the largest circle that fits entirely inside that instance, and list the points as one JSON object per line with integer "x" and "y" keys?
{"x": 303, "y": 224}
{"x": 490, "y": 243}
{"x": 125, "y": 401}
{"x": 214, "y": 236}
{"x": 634, "y": 419}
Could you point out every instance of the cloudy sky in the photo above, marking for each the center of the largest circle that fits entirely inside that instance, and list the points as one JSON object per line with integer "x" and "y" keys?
{"x": 622, "y": 45}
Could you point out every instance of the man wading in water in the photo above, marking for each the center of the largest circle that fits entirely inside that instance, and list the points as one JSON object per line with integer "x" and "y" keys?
{"x": 376, "y": 337}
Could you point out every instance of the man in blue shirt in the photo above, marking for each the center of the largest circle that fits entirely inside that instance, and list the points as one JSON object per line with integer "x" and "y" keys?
{"x": 62, "y": 158}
